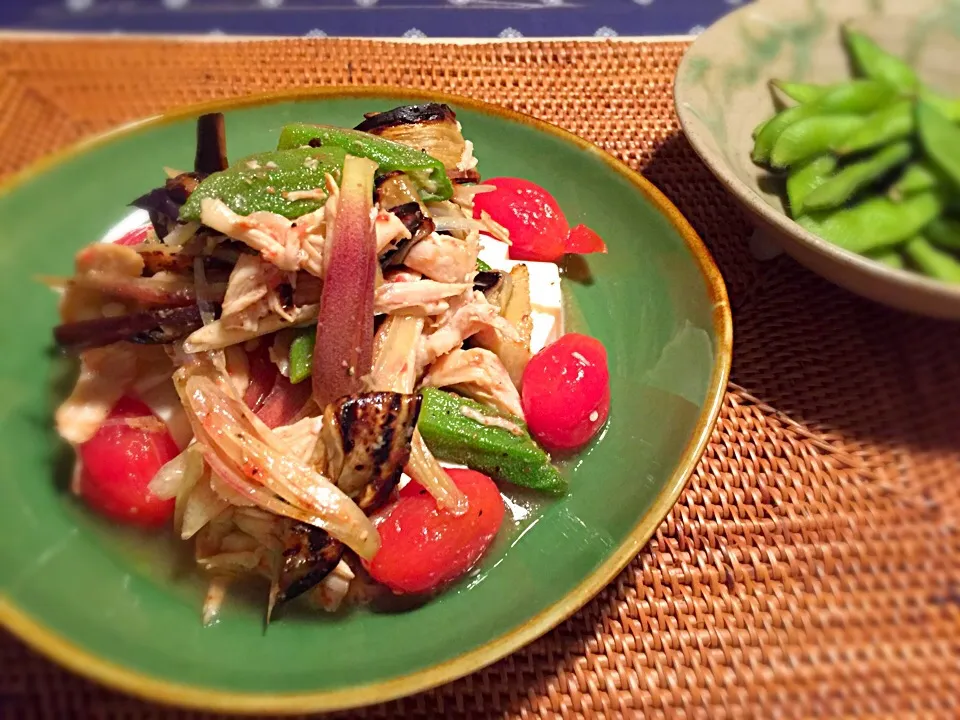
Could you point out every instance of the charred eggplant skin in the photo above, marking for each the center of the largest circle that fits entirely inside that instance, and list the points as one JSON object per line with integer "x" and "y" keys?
{"x": 211, "y": 153}
{"x": 309, "y": 555}
{"x": 151, "y": 327}
{"x": 163, "y": 203}
{"x": 376, "y": 429}
{"x": 407, "y": 115}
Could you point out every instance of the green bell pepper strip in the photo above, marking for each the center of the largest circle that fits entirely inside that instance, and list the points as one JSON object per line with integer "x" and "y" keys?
{"x": 301, "y": 354}
{"x": 261, "y": 182}
{"x": 426, "y": 171}
{"x": 453, "y": 436}
{"x": 482, "y": 266}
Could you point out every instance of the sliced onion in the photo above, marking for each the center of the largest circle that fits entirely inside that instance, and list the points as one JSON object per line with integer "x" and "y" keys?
{"x": 178, "y": 474}
{"x": 201, "y": 506}
{"x": 241, "y": 454}
{"x": 215, "y": 336}
{"x": 216, "y": 593}
{"x": 395, "y": 356}
{"x": 458, "y": 224}
{"x": 181, "y": 234}
{"x": 426, "y": 470}
{"x": 204, "y": 294}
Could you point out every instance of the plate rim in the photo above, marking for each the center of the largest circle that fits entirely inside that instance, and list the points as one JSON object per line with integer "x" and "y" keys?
{"x": 87, "y": 664}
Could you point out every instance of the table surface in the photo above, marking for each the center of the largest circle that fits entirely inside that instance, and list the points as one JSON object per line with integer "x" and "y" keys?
{"x": 811, "y": 567}
{"x": 369, "y": 18}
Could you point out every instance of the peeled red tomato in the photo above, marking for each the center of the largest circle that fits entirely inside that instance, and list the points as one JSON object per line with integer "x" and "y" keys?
{"x": 120, "y": 461}
{"x": 422, "y": 547}
{"x": 566, "y": 392}
{"x": 537, "y": 226}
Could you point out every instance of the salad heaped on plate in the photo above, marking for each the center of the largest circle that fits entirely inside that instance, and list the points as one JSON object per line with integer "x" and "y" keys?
{"x": 279, "y": 361}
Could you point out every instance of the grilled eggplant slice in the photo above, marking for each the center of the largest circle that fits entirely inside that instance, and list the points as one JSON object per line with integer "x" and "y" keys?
{"x": 164, "y": 203}
{"x": 432, "y": 128}
{"x": 309, "y": 555}
{"x": 394, "y": 191}
{"x": 211, "y": 153}
{"x": 158, "y": 326}
{"x": 374, "y": 431}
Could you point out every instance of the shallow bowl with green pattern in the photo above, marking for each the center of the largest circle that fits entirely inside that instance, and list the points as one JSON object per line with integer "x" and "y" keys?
{"x": 722, "y": 94}
{"x": 122, "y": 608}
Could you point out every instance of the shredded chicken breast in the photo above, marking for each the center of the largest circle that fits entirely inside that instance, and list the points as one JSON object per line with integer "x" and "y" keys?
{"x": 423, "y": 297}
{"x": 461, "y": 322}
{"x": 479, "y": 374}
{"x": 445, "y": 258}
{"x": 289, "y": 245}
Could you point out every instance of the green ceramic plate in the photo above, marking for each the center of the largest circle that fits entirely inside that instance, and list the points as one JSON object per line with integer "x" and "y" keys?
{"x": 119, "y": 608}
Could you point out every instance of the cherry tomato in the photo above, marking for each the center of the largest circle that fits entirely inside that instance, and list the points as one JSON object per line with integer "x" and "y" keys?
{"x": 121, "y": 460}
{"x": 582, "y": 240}
{"x": 423, "y": 547}
{"x": 566, "y": 392}
{"x": 538, "y": 228}
{"x": 134, "y": 237}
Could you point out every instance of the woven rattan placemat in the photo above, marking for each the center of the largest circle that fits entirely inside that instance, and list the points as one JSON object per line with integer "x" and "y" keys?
{"x": 811, "y": 567}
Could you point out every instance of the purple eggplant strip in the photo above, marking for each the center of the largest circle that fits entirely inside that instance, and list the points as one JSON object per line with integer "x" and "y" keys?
{"x": 211, "y": 154}
{"x": 151, "y": 327}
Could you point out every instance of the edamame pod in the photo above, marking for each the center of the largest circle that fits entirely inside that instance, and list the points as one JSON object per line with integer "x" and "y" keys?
{"x": 917, "y": 177}
{"x": 944, "y": 232}
{"x": 759, "y": 128}
{"x": 932, "y": 261}
{"x": 801, "y": 92}
{"x": 890, "y": 258}
{"x": 948, "y": 106}
{"x": 874, "y": 224}
{"x": 856, "y": 176}
{"x": 876, "y": 63}
{"x": 812, "y": 136}
{"x": 850, "y": 98}
{"x": 940, "y": 139}
{"x": 807, "y": 178}
{"x": 893, "y": 122}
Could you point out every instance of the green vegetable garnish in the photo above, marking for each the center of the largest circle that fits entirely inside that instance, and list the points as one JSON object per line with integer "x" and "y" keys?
{"x": 482, "y": 266}
{"x": 301, "y": 354}
{"x": 426, "y": 171}
{"x": 262, "y": 182}
{"x": 448, "y": 425}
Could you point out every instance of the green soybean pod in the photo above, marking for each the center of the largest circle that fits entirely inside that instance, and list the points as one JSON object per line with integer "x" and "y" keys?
{"x": 890, "y": 258}
{"x": 949, "y": 107}
{"x": 812, "y": 136}
{"x": 807, "y": 178}
{"x": 854, "y": 97}
{"x": 876, "y": 63}
{"x": 944, "y": 232}
{"x": 932, "y": 261}
{"x": 875, "y": 224}
{"x": 801, "y": 92}
{"x": 940, "y": 139}
{"x": 771, "y": 130}
{"x": 917, "y": 177}
{"x": 759, "y": 128}
{"x": 856, "y": 176}
{"x": 893, "y": 122}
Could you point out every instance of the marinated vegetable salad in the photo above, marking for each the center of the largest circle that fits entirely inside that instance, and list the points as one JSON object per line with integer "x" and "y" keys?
{"x": 279, "y": 361}
{"x": 872, "y": 164}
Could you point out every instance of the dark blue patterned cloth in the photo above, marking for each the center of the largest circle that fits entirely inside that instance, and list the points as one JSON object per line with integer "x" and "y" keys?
{"x": 369, "y": 18}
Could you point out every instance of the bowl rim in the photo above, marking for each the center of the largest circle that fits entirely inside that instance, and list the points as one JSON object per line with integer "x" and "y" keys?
{"x": 140, "y": 684}
{"x": 904, "y": 278}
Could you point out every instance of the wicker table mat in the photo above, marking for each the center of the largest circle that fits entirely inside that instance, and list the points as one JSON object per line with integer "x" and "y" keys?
{"x": 811, "y": 567}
